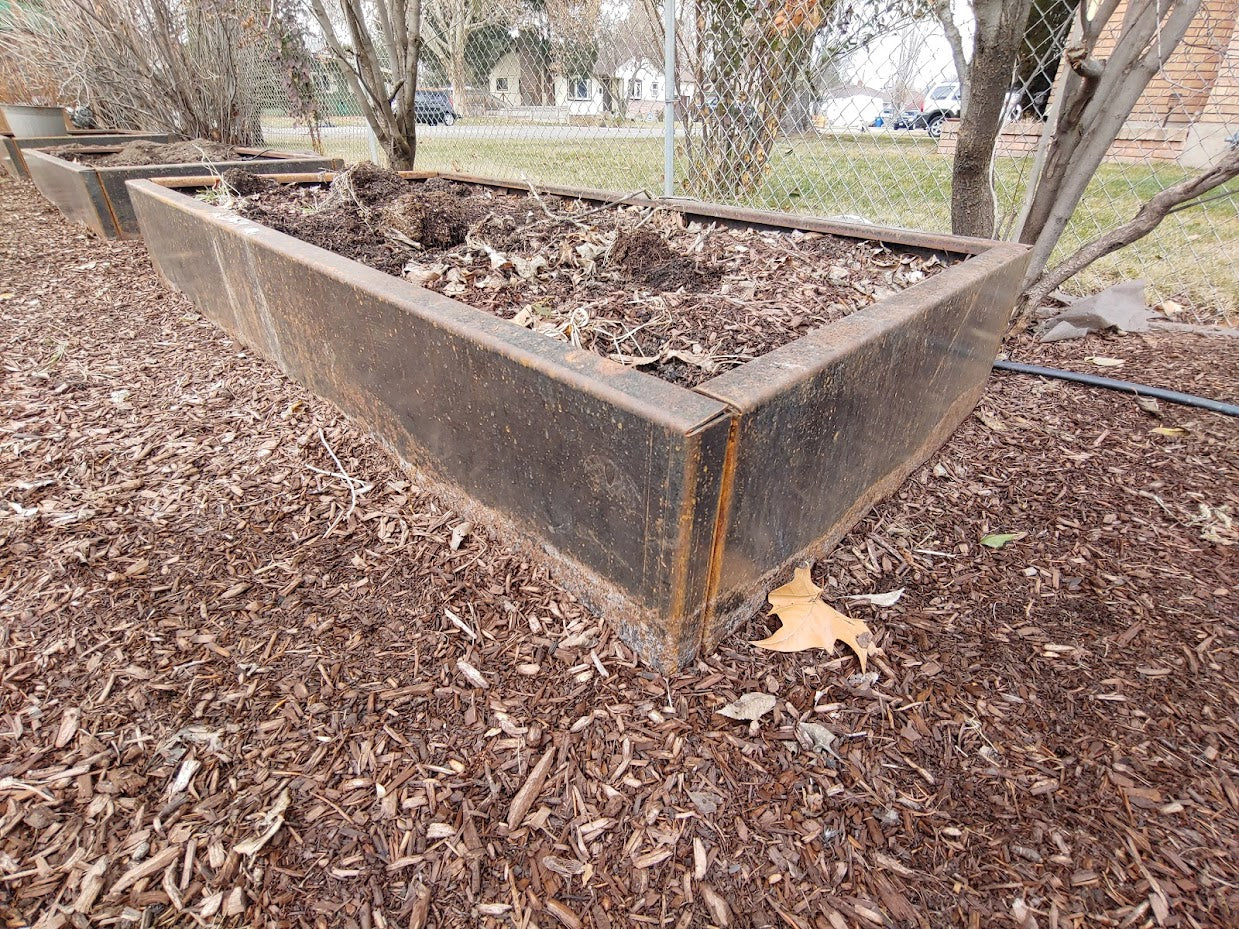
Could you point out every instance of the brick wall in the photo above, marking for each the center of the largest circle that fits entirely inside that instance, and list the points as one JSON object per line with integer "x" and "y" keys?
{"x": 1223, "y": 104}
{"x": 1134, "y": 143}
{"x": 1186, "y": 88}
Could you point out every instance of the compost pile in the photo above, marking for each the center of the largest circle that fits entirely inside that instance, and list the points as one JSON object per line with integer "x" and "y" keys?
{"x": 142, "y": 152}
{"x": 638, "y": 284}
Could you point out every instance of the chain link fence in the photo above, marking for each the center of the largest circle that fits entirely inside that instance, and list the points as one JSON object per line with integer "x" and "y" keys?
{"x": 830, "y": 108}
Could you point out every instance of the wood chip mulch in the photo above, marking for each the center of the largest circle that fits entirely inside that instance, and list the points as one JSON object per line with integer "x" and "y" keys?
{"x": 229, "y": 696}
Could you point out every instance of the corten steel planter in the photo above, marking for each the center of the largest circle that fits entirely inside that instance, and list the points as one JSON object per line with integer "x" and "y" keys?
{"x": 668, "y": 510}
{"x": 97, "y": 196}
{"x": 12, "y": 149}
{"x": 27, "y": 120}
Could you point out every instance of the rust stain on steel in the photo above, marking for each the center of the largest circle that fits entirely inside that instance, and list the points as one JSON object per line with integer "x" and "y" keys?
{"x": 12, "y": 157}
{"x": 98, "y": 198}
{"x": 668, "y": 510}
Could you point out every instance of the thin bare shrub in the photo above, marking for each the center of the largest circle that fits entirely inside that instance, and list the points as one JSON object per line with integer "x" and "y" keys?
{"x": 186, "y": 66}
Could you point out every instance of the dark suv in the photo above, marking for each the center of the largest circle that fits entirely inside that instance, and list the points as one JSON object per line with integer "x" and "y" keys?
{"x": 434, "y": 107}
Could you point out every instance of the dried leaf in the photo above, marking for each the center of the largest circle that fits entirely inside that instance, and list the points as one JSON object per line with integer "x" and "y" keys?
{"x": 810, "y": 623}
{"x": 459, "y": 534}
{"x": 1173, "y": 432}
{"x": 890, "y": 598}
{"x": 1103, "y": 362}
{"x": 992, "y": 421}
{"x": 999, "y": 539}
{"x": 816, "y": 736}
{"x": 272, "y": 820}
{"x": 749, "y": 707}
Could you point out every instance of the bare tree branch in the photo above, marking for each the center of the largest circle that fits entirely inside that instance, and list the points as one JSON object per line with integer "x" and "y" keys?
{"x": 1145, "y": 221}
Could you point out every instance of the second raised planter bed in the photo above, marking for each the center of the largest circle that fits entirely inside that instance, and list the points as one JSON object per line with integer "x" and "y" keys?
{"x": 96, "y": 195}
{"x": 13, "y": 148}
{"x": 670, "y": 510}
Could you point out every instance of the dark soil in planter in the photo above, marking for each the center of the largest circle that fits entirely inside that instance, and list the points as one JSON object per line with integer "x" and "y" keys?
{"x": 152, "y": 153}
{"x": 638, "y": 284}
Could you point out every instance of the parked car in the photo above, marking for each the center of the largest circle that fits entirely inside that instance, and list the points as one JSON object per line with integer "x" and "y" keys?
{"x": 434, "y": 107}
{"x": 943, "y": 102}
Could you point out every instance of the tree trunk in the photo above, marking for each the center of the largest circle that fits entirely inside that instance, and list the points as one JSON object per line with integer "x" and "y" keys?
{"x": 999, "y": 30}
{"x": 389, "y": 111}
{"x": 1097, "y": 98}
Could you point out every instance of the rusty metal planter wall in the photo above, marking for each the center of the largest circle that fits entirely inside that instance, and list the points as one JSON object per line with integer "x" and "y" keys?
{"x": 668, "y": 510}
{"x": 98, "y": 197}
{"x": 12, "y": 150}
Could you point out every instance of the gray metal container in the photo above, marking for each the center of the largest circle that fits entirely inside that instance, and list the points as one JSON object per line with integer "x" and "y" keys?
{"x": 27, "y": 120}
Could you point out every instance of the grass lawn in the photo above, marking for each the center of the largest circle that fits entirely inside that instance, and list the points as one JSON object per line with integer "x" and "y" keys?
{"x": 888, "y": 179}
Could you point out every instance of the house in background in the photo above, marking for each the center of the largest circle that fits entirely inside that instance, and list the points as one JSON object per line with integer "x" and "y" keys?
{"x": 642, "y": 84}
{"x": 1191, "y": 105}
{"x": 852, "y": 107}
{"x": 632, "y": 88}
{"x": 1188, "y": 110}
{"x": 504, "y": 80}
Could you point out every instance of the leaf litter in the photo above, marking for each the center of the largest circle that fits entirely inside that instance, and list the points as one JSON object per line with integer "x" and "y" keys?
{"x": 639, "y": 285}
{"x": 1054, "y": 729}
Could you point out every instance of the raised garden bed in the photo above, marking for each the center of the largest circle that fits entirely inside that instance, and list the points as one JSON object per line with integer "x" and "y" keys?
{"x": 681, "y": 300}
{"x": 668, "y": 508}
{"x": 95, "y": 194}
{"x": 12, "y": 149}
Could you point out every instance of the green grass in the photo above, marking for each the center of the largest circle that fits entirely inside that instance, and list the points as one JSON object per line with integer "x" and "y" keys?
{"x": 889, "y": 179}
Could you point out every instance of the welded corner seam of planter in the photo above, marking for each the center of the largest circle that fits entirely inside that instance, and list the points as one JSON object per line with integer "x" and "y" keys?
{"x": 718, "y": 541}
{"x": 107, "y": 200}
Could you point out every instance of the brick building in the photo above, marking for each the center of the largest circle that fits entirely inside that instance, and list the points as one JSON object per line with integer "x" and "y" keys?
{"x": 1189, "y": 109}
{"x": 1192, "y": 105}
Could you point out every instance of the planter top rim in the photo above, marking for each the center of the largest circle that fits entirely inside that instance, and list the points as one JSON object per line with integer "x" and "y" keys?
{"x": 675, "y": 407}
{"x": 69, "y": 137}
{"x": 261, "y": 154}
{"x": 772, "y": 370}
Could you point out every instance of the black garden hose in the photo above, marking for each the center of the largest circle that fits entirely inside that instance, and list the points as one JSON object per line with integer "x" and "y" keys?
{"x": 1140, "y": 390}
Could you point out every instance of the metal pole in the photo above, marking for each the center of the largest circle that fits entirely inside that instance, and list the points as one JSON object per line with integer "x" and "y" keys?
{"x": 669, "y": 94}
{"x": 373, "y": 141}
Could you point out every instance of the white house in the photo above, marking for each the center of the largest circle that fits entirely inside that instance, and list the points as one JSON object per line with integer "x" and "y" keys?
{"x": 581, "y": 96}
{"x": 504, "y": 80}
{"x": 635, "y": 88}
{"x": 851, "y": 107}
{"x": 641, "y": 82}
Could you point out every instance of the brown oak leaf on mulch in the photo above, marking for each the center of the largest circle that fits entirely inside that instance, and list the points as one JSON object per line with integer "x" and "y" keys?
{"x": 216, "y": 709}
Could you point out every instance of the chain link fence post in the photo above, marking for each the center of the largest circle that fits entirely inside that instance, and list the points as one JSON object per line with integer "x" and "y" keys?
{"x": 671, "y": 86}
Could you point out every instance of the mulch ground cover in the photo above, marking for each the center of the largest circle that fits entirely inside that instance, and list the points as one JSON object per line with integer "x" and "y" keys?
{"x": 142, "y": 152}
{"x": 231, "y": 697}
{"x": 682, "y": 300}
